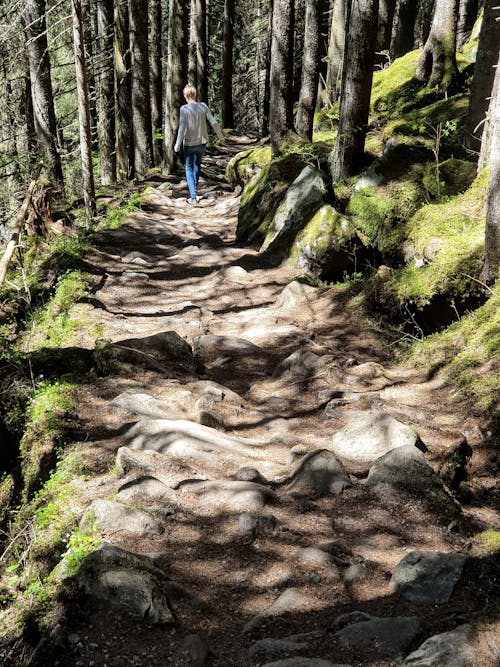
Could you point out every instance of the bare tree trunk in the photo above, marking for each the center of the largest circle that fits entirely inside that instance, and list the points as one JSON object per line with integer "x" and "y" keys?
{"x": 484, "y": 75}
{"x": 356, "y": 88}
{"x": 83, "y": 111}
{"x": 41, "y": 87}
{"x": 123, "y": 92}
{"x": 425, "y": 11}
{"x": 437, "y": 65}
{"x": 402, "y": 40}
{"x": 141, "y": 97}
{"x": 198, "y": 74}
{"x": 386, "y": 10}
{"x": 227, "y": 65}
{"x": 90, "y": 25}
{"x": 106, "y": 92}
{"x": 335, "y": 51}
{"x": 156, "y": 53}
{"x": 489, "y": 273}
{"x": 267, "y": 80}
{"x": 281, "y": 76}
{"x": 310, "y": 71}
{"x": 467, "y": 16}
{"x": 177, "y": 66}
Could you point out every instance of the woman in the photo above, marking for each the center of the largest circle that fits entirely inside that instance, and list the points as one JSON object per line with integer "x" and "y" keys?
{"x": 193, "y": 136}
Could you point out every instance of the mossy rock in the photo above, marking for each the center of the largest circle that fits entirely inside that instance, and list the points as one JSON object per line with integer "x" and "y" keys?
{"x": 455, "y": 176}
{"x": 247, "y": 164}
{"x": 325, "y": 244}
{"x": 262, "y": 195}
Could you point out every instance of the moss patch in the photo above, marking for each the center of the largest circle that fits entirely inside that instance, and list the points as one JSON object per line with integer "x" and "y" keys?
{"x": 246, "y": 164}
{"x": 450, "y": 178}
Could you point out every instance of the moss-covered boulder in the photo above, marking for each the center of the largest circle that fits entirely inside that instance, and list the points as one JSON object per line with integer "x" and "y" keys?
{"x": 262, "y": 195}
{"x": 303, "y": 199}
{"x": 244, "y": 166}
{"x": 325, "y": 245}
{"x": 450, "y": 178}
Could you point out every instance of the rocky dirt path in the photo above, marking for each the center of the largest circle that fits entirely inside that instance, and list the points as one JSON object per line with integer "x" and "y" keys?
{"x": 254, "y": 471}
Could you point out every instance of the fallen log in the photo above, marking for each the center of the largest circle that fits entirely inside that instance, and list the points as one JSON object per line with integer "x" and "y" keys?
{"x": 18, "y": 226}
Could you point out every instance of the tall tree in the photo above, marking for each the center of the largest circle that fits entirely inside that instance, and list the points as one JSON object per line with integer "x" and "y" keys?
{"x": 177, "y": 68}
{"x": 89, "y": 19}
{"x": 356, "y": 87}
{"x": 41, "y": 87}
{"x": 198, "y": 70}
{"x": 386, "y": 10}
{"x": 123, "y": 91}
{"x": 83, "y": 110}
{"x": 106, "y": 91}
{"x": 335, "y": 51}
{"x": 490, "y": 271}
{"x": 467, "y": 15}
{"x": 437, "y": 64}
{"x": 310, "y": 70}
{"x": 402, "y": 40}
{"x": 156, "y": 53}
{"x": 267, "y": 79}
{"x": 227, "y": 65}
{"x": 484, "y": 74}
{"x": 281, "y": 74}
{"x": 425, "y": 10}
{"x": 141, "y": 97}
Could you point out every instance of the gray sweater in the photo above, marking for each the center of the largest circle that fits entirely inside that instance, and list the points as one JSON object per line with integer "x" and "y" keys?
{"x": 193, "y": 125}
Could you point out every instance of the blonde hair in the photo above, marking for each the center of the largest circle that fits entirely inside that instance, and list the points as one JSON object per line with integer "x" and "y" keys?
{"x": 189, "y": 92}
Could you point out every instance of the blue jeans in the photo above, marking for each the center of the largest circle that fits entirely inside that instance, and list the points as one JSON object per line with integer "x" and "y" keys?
{"x": 192, "y": 164}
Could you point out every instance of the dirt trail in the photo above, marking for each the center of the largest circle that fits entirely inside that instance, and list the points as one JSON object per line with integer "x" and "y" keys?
{"x": 275, "y": 367}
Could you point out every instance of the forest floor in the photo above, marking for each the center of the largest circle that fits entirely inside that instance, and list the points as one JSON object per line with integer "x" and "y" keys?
{"x": 175, "y": 267}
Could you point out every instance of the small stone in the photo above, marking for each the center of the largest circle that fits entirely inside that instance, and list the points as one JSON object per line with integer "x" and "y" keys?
{"x": 212, "y": 419}
{"x": 249, "y": 474}
{"x": 356, "y": 572}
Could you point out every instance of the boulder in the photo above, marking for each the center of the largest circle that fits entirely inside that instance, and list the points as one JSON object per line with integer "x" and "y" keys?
{"x": 252, "y": 526}
{"x": 147, "y": 490}
{"x": 232, "y": 494}
{"x": 288, "y": 602}
{"x": 127, "y": 583}
{"x": 110, "y": 516}
{"x": 249, "y": 474}
{"x": 302, "y": 200}
{"x": 448, "y": 649}
{"x": 428, "y": 576}
{"x": 384, "y": 637}
{"x": 295, "y": 295}
{"x": 160, "y": 350}
{"x": 208, "y": 347}
{"x": 143, "y": 405}
{"x": 301, "y": 364}
{"x": 269, "y": 648}
{"x": 321, "y": 473}
{"x": 196, "y": 649}
{"x": 367, "y": 438}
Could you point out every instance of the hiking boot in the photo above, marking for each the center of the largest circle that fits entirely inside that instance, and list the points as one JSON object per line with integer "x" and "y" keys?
{"x": 192, "y": 200}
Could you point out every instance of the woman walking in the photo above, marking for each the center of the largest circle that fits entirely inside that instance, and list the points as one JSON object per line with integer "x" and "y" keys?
{"x": 193, "y": 136}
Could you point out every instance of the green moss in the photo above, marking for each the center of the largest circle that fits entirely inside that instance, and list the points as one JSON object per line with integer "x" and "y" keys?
{"x": 454, "y": 175}
{"x": 419, "y": 122}
{"x": 246, "y": 164}
{"x": 488, "y": 541}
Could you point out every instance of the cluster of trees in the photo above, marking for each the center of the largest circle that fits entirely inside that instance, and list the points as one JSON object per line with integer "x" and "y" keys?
{"x": 103, "y": 78}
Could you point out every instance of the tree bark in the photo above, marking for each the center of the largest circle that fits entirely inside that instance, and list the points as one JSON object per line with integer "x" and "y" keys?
{"x": 41, "y": 88}
{"x": 198, "y": 73}
{"x": 83, "y": 111}
{"x": 90, "y": 25}
{"x": 156, "y": 54}
{"x": 335, "y": 52}
{"x": 123, "y": 92}
{"x": 281, "y": 75}
{"x": 177, "y": 68}
{"x": 310, "y": 71}
{"x": 402, "y": 40}
{"x": 106, "y": 92}
{"x": 484, "y": 75}
{"x": 489, "y": 273}
{"x": 227, "y": 65}
{"x": 386, "y": 9}
{"x": 467, "y": 15}
{"x": 141, "y": 97}
{"x": 437, "y": 64}
{"x": 267, "y": 80}
{"x": 356, "y": 88}
{"x": 425, "y": 11}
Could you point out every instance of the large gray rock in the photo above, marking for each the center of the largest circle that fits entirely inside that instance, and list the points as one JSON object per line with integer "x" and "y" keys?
{"x": 158, "y": 351}
{"x": 128, "y": 583}
{"x": 302, "y": 364}
{"x": 112, "y": 517}
{"x": 288, "y": 602}
{"x": 367, "y": 438}
{"x": 319, "y": 472}
{"x": 147, "y": 489}
{"x": 296, "y": 295}
{"x": 303, "y": 198}
{"x": 449, "y": 649}
{"x": 197, "y": 650}
{"x": 405, "y": 469}
{"x": 208, "y": 347}
{"x": 143, "y": 405}
{"x": 269, "y": 648}
{"x": 232, "y": 494}
{"x": 384, "y": 637}
{"x": 428, "y": 576}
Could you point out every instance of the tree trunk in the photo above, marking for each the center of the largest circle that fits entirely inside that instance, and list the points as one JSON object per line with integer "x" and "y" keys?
{"x": 356, "y": 88}
{"x": 402, "y": 40}
{"x": 198, "y": 73}
{"x": 156, "y": 54}
{"x": 106, "y": 92}
{"x": 177, "y": 66}
{"x": 267, "y": 81}
{"x": 83, "y": 111}
{"x": 281, "y": 76}
{"x": 425, "y": 11}
{"x": 335, "y": 51}
{"x": 227, "y": 65}
{"x": 484, "y": 75}
{"x": 310, "y": 71}
{"x": 90, "y": 23}
{"x": 123, "y": 103}
{"x": 467, "y": 16}
{"x": 489, "y": 273}
{"x": 386, "y": 10}
{"x": 41, "y": 87}
{"x": 141, "y": 97}
{"x": 437, "y": 64}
